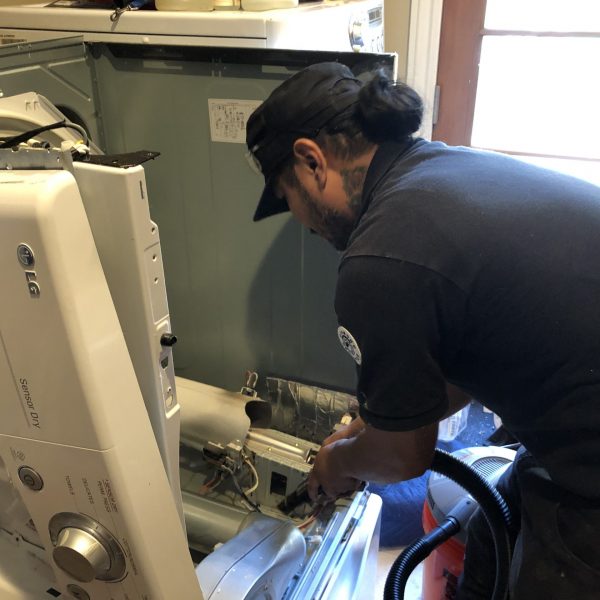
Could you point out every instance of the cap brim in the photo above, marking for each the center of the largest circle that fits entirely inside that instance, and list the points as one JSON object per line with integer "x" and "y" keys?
{"x": 269, "y": 204}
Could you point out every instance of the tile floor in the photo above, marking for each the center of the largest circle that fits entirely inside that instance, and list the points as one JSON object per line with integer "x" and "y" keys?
{"x": 385, "y": 559}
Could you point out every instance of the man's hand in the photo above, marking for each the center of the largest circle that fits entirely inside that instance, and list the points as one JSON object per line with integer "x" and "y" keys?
{"x": 370, "y": 454}
{"x": 328, "y": 476}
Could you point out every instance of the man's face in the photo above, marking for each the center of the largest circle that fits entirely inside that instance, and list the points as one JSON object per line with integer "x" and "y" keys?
{"x": 327, "y": 212}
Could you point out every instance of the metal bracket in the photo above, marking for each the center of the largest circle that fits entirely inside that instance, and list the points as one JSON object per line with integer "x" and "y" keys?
{"x": 23, "y": 158}
{"x": 122, "y": 161}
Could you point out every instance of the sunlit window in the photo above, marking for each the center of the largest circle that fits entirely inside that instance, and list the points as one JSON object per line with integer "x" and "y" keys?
{"x": 538, "y": 92}
{"x": 543, "y": 15}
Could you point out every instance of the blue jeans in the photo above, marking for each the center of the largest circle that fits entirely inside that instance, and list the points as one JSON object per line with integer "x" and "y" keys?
{"x": 556, "y": 541}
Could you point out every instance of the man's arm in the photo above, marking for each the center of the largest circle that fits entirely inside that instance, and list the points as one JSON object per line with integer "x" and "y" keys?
{"x": 360, "y": 452}
{"x": 402, "y": 323}
{"x": 372, "y": 455}
{"x": 457, "y": 399}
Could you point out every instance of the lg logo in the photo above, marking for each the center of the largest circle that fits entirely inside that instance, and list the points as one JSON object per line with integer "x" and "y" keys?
{"x": 27, "y": 259}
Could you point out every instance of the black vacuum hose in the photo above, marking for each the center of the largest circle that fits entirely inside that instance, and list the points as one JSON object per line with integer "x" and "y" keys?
{"x": 494, "y": 509}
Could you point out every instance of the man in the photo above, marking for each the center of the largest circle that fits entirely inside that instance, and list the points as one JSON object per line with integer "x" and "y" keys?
{"x": 463, "y": 273}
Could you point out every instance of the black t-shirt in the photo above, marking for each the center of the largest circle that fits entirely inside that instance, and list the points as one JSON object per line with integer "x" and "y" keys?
{"x": 480, "y": 270}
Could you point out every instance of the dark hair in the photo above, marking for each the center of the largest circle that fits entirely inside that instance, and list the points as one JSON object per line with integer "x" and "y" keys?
{"x": 386, "y": 111}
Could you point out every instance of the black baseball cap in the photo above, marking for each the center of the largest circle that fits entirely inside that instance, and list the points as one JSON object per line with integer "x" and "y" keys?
{"x": 300, "y": 107}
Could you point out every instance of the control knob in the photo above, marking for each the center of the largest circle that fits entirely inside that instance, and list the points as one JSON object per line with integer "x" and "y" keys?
{"x": 85, "y": 549}
{"x": 80, "y": 554}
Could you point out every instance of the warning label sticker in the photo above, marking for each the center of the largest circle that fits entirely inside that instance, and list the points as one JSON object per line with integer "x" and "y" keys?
{"x": 228, "y": 119}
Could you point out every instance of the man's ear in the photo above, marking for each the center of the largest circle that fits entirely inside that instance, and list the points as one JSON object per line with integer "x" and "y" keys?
{"x": 310, "y": 161}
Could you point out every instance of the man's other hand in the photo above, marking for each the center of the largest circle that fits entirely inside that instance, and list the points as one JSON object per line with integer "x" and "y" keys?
{"x": 327, "y": 476}
{"x": 370, "y": 454}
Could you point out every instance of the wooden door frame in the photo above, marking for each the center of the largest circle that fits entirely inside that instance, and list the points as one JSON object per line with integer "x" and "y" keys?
{"x": 458, "y": 69}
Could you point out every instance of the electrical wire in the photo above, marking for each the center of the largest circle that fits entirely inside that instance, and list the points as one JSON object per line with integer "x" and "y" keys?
{"x": 311, "y": 518}
{"x": 306, "y": 522}
{"x": 239, "y": 489}
{"x": 210, "y": 485}
{"x": 243, "y": 495}
{"x": 254, "y": 487}
{"x": 15, "y": 140}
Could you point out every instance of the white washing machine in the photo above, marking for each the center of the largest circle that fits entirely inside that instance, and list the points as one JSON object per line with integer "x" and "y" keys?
{"x": 331, "y": 25}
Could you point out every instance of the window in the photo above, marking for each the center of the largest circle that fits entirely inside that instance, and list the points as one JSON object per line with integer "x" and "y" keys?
{"x": 521, "y": 77}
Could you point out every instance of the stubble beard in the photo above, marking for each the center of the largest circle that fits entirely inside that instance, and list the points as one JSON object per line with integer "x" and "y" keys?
{"x": 329, "y": 224}
{"x": 332, "y": 225}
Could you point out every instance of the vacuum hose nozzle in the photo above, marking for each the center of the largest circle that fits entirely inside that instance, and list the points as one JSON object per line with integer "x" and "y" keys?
{"x": 494, "y": 509}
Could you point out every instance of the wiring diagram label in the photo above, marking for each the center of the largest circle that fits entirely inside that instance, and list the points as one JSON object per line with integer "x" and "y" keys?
{"x": 228, "y": 119}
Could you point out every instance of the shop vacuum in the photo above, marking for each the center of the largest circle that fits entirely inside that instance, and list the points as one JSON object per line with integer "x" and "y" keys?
{"x": 459, "y": 483}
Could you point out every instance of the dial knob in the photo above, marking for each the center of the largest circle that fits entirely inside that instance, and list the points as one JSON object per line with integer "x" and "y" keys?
{"x": 85, "y": 549}
{"x": 80, "y": 554}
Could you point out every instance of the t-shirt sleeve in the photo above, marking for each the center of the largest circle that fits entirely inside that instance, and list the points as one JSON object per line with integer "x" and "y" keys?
{"x": 403, "y": 324}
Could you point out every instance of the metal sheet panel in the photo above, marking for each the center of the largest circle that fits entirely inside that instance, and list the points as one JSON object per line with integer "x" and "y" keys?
{"x": 58, "y": 70}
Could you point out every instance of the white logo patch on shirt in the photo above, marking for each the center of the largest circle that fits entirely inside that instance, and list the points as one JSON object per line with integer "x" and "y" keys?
{"x": 349, "y": 344}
